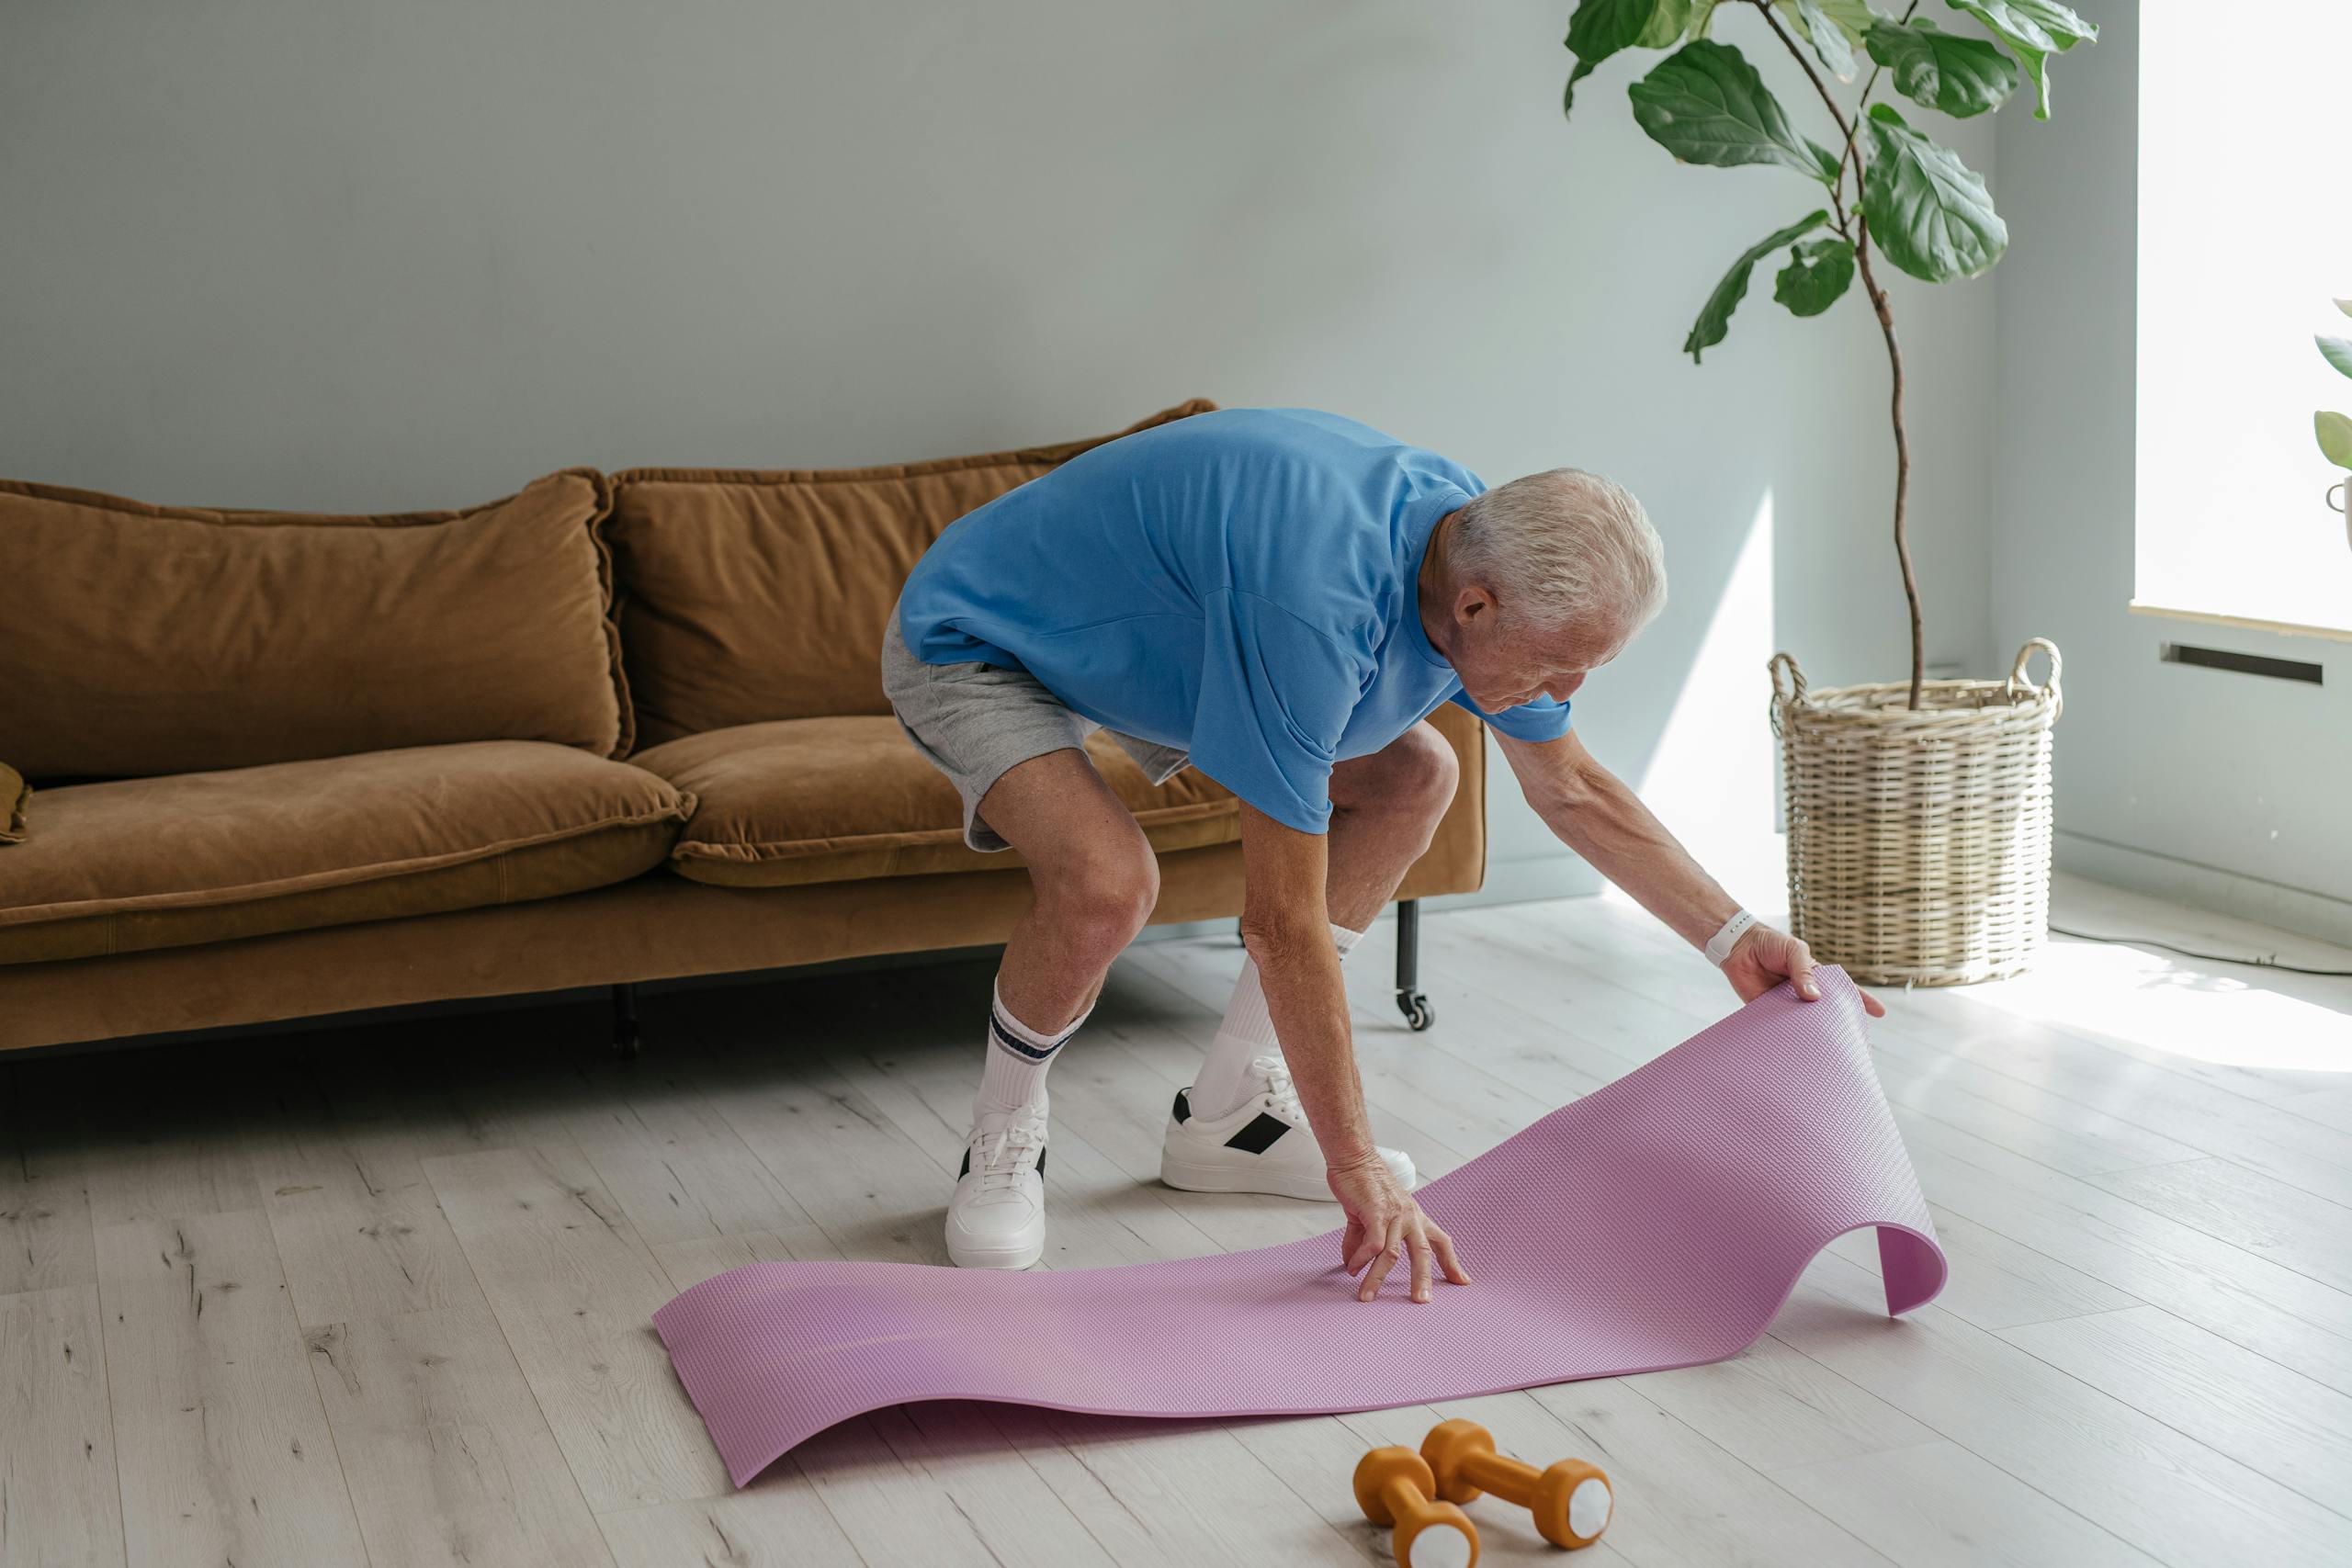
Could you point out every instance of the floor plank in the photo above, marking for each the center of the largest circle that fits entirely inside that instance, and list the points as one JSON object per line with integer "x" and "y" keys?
{"x": 2232, "y": 1401}
{"x": 2086, "y": 1450}
{"x": 1938, "y": 1504}
{"x": 358, "y": 1228}
{"x": 223, "y": 1449}
{"x": 60, "y": 1502}
{"x": 449, "y": 1459}
{"x": 575, "y": 1291}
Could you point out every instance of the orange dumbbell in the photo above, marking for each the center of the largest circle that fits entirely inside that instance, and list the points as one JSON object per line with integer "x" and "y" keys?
{"x": 1571, "y": 1501}
{"x": 1393, "y": 1487}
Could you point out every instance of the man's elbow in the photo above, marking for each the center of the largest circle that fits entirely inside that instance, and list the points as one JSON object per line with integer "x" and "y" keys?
{"x": 1566, "y": 789}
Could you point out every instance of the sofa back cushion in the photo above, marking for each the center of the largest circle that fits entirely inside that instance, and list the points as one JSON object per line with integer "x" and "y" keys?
{"x": 138, "y": 640}
{"x": 751, "y": 596}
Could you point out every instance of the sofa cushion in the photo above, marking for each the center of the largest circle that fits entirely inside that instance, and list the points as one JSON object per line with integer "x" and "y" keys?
{"x": 831, "y": 799}
{"x": 149, "y": 639}
{"x": 754, "y": 594}
{"x": 133, "y": 863}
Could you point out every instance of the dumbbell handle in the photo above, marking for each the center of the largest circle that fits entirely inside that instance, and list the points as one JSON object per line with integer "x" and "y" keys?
{"x": 1506, "y": 1478}
{"x": 1404, "y": 1499}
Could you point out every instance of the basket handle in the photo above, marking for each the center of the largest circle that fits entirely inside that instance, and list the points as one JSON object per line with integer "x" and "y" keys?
{"x": 1792, "y": 690}
{"x": 2049, "y": 688}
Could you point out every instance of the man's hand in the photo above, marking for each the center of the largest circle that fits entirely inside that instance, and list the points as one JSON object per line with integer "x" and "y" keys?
{"x": 1385, "y": 1224}
{"x": 1763, "y": 958}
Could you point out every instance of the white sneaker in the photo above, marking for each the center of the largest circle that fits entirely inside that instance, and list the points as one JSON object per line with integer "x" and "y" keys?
{"x": 997, "y": 1218}
{"x": 1264, "y": 1146}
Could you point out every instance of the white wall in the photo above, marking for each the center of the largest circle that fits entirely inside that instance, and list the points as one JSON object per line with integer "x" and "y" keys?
{"x": 343, "y": 253}
{"x": 2227, "y": 790}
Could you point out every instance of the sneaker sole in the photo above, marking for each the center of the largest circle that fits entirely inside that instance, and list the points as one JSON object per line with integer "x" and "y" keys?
{"x": 1187, "y": 1177}
{"x": 995, "y": 1257}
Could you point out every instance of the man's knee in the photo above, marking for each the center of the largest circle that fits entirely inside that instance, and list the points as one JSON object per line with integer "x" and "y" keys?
{"x": 1101, "y": 896}
{"x": 1423, "y": 772}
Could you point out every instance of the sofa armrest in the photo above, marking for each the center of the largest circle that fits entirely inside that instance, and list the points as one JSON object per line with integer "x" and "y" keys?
{"x": 1457, "y": 859}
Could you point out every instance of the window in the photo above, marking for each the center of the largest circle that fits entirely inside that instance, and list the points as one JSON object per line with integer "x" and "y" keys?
{"x": 2245, "y": 237}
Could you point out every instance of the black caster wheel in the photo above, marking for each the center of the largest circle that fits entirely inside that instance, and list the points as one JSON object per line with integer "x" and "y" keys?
{"x": 1418, "y": 1014}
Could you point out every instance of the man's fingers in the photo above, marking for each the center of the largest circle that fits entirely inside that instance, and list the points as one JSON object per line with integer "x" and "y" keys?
{"x": 1378, "y": 1273}
{"x": 1420, "y": 1242}
{"x": 1348, "y": 1244}
{"x": 1442, "y": 1244}
{"x": 1872, "y": 1006}
{"x": 1801, "y": 971}
{"x": 1367, "y": 1248}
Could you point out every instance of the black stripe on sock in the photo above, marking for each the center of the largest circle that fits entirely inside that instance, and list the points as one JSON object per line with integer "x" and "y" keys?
{"x": 1018, "y": 1046}
{"x": 1260, "y": 1135}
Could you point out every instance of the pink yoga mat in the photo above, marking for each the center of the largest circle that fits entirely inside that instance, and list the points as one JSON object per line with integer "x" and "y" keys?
{"x": 1657, "y": 1222}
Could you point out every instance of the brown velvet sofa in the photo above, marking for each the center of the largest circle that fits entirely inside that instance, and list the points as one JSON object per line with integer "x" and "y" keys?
{"x": 610, "y": 729}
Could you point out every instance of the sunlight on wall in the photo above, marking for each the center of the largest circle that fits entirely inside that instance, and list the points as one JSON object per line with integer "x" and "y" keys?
{"x": 2156, "y": 1002}
{"x": 1711, "y": 777}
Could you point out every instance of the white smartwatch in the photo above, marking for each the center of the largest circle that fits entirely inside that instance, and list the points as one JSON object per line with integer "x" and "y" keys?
{"x": 1719, "y": 945}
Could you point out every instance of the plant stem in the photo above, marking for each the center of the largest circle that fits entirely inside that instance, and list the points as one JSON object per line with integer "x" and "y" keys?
{"x": 1836, "y": 191}
{"x": 1901, "y": 464}
{"x": 1860, "y": 239}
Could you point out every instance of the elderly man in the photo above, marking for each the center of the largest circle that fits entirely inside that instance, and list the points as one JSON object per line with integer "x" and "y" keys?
{"x": 1280, "y": 598}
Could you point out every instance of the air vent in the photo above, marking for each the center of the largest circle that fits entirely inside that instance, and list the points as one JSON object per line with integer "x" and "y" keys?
{"x": 2243, "y": 664}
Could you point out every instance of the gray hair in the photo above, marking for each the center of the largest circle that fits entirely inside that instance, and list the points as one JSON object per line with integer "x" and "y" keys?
{"x": 1565, "y": 546}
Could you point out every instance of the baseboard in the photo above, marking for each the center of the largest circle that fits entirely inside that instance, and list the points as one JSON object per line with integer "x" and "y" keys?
{"x": 2206, "y": 887}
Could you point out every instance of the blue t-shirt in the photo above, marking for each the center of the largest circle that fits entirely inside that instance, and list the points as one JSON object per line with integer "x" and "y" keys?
{"x": 1243, "y": 585}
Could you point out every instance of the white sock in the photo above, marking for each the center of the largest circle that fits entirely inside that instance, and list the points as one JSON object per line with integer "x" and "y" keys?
{"x": 1015, "y": 1078}
{"x": 1246, "y": 1033}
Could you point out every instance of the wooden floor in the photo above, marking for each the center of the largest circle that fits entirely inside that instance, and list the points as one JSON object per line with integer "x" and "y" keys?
{"x": 381, "y": 1296}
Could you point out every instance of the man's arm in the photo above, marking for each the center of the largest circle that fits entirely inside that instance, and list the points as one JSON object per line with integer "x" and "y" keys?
{"x": 1594, "y": 814}
{"x": 1288, "y": 934}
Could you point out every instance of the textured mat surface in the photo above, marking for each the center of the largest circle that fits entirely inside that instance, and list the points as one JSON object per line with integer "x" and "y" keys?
{"x": 1659, "y": 1221}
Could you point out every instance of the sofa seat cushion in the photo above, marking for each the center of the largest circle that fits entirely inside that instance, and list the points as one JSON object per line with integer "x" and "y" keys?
{"x": 131, "y": 863}
{"x": 804, "y": 800}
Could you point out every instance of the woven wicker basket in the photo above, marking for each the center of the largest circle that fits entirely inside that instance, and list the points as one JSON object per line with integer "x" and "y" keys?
{"x": 1919, "y": 841}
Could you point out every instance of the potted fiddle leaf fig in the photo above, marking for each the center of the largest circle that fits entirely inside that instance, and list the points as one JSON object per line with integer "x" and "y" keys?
{"x": 1918, "y": 812}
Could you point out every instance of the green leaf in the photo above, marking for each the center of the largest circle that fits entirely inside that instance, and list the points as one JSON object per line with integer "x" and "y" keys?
{"x": 1599, "y": 29}
{"x": 1666, "y": 25}
{"x": 1854, "y": 17}
{"x": 2335, "y": 436}
{"x": 2338, "y": 351}
{"x": 1961, "y": 76}
{"x": 1703, "y": 18}
{"x": 1818, "y": 273}
{"x": 2345, "y": 306}
{"x": 1714, "y": 317}
{"x": 1830, "y": 45}
{"x": 1928, "y": 211}
{"x": 2034, "y": 29}
{"x": 1706, "y": 105}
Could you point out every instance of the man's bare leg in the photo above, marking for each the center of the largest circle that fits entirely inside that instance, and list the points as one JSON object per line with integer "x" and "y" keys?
{"x": 1385, "y": 809}
{"x": 1096, "y": 881}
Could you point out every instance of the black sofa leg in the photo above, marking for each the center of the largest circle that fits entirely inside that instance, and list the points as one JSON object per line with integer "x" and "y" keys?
{"x": 625, "y": 1038}
{"x": 1418, "y": 1014}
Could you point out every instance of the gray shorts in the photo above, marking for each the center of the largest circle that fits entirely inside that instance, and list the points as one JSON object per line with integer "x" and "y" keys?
{"x": 978, "y": 722}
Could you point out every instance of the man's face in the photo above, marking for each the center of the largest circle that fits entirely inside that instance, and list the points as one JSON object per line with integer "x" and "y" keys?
{"x": 1504, "y": 663}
